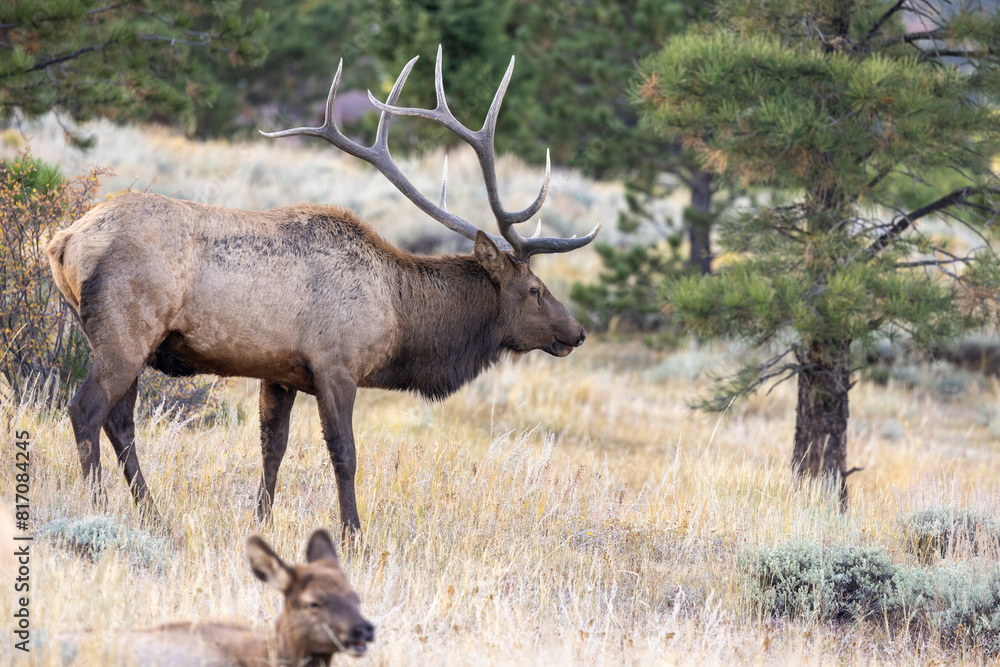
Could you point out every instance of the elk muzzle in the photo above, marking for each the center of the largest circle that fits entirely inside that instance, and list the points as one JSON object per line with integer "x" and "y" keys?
{"x": 563, "y": 343}
{"x": 358, "y": 637}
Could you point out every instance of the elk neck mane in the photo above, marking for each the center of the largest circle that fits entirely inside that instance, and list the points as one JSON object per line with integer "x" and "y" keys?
{"x": 450, "y": 327}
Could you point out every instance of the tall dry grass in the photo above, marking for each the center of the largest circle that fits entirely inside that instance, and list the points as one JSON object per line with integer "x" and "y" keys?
{"x": 554, "y": 511}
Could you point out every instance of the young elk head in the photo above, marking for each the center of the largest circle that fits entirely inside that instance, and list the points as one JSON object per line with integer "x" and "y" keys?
{"x": 321, "y": 615}
{"x": 533, "y": 318}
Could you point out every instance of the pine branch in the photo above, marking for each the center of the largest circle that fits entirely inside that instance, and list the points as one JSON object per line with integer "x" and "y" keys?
{"x": 885, "y": 17}
{"x": 62, "y": 59}
{"x": 911, "y": 37}
{"x": 901, "y": 224}
{"x": 933, "y": 262}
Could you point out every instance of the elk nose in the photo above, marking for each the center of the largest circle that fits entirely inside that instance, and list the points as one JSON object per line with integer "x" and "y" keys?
{"x": 583, "y": 337}
{"x": 362, "y": 632}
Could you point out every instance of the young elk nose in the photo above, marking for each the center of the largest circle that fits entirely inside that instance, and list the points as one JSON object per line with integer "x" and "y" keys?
{"x": 583, "y": 337}
{"x": 362, "y": 632}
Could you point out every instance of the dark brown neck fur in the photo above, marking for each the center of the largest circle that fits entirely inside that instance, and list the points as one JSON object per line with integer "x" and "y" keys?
{"x": 450, "y": 330}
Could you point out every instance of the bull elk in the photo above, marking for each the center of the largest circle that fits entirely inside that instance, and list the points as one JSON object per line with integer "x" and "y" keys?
{"x": 320, "y": 617}
{"x": 305, "y": 298}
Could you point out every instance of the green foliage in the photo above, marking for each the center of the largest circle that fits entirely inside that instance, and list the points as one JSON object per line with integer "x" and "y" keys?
{"x": 837, "y": 582}
{"x": 931, "y": 532}
{"x": 625, "y": 298}
{"x": 32, "y": 175}
{"x": 303, "y": 42}
{"x": 569, "y": 90}
{"x": 476, "y": 51}
{"x": 582, "y": 57}
{"x": 956, "y": 604}
{"x": 848, "y": 119}
{"x": 126, "y": 61}
{"x": 92, "y": 536}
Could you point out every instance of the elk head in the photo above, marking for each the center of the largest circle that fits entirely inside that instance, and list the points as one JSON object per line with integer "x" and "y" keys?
{"x": 321, "y": 615}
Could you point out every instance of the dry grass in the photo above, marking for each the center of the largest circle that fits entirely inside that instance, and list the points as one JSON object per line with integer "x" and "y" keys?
{"x": 556, "y": 511}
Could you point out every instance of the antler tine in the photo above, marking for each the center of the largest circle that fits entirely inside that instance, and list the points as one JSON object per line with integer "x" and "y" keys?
{"x": 328, "y": 130}
{"x": 490, "y": 124}
{"x": 546, "y": 245}
{"x": 442, "y": 102}
{"x": 382, "y": 133}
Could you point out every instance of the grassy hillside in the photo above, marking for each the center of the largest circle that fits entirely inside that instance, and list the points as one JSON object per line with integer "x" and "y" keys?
{"x": 555, "y": 511}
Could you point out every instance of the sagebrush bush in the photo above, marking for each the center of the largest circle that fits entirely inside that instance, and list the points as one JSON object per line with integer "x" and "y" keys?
{"x": 930, "y": 532}
{"x": 837, "y": 582}
{"x": 955, "y": 603}
{"x": 92, "y": 536}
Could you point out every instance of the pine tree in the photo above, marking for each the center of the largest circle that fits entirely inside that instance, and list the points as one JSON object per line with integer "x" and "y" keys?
{"x": 867, "y": 118}
{"x": 121, "y": 60}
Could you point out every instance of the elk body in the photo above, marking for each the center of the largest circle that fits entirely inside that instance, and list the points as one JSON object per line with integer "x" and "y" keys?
{"x": 305, "y": 298}
{"x": 320, "y": 617}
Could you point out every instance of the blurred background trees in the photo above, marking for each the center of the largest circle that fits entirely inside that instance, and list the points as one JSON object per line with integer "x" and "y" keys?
{"x": 127, "y": 61}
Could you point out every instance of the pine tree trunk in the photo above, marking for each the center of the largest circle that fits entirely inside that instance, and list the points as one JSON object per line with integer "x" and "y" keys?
{"x": 822, "y": 412}
{"x": 699, "y": 221}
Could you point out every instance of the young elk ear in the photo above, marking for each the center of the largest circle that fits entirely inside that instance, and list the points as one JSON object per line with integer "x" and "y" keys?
{"x": 267, "y": 566}
{"x": 321, "y": 547}
{"x": 490, "y": 257}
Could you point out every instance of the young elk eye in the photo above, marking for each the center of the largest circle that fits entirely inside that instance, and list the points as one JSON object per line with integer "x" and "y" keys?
{"x": 314, "y": 605}
{"x": 534, "y": 291}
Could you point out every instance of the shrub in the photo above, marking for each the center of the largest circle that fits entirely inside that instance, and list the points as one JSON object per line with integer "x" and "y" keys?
{"x": 839, "y": 582}
{"x": 928, "y": 533}
{"x": 39, "y": 339}
{"x": 954, "y": 603}
{"x": 92, "y": 536}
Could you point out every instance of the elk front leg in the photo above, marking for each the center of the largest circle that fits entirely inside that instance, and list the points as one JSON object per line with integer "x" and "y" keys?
{"x": 335, "y": 397}
{"x": 275, "y": 414}
{"x": 120, "y": 429}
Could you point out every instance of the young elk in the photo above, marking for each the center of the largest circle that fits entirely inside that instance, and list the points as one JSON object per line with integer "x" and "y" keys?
{"x": 320, "y": 617}
{"x": 306, "y": 298}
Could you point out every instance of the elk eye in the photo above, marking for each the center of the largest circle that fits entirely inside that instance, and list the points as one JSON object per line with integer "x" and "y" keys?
{"x": 534, "y": 291}
{"x": 314, "y": 605}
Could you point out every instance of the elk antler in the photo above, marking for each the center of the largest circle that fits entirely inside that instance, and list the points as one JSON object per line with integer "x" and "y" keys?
{"x": 377, "y": 155}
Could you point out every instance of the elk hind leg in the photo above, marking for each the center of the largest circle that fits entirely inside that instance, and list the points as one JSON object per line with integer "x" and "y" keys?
{"x": 103, "y": 388}
{"x": 119, "y": 426}
{"x": 275, "y": 414}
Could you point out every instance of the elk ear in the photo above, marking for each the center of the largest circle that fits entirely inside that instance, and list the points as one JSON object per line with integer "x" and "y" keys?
{"x": 490, "y": 257}
{"x": 267, "y": 566}
{"x": 321, "y": 547}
